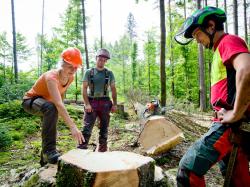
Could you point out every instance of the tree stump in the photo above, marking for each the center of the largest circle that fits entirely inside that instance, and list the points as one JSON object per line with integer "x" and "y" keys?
{"x": 112, "y": 169}
{"x": 159, "y": 135}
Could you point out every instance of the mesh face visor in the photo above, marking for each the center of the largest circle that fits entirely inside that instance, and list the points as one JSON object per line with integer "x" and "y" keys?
{"x": 183, "y": 36}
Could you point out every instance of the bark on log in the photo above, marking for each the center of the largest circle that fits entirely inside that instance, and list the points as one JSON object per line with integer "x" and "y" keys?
{"x": 113, "y": 169}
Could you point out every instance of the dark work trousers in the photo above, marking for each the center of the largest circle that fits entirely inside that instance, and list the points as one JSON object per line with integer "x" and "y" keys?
{"x": 213, "y": 147}
{"x": 101, "y": 108}
{"x": 49, "y": 115}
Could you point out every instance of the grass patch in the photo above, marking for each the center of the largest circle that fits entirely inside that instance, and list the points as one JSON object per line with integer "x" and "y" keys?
{"x": 4, "y": 157}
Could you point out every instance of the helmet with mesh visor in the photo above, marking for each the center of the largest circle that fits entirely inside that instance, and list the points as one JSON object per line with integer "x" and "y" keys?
{"x": 197, "y": 19}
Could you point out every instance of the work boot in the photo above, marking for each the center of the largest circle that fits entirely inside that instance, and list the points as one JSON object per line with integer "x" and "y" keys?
{"x": 102, "y": 147}
{"x": 49, "y": 157}
{"x": 84, "y": 145}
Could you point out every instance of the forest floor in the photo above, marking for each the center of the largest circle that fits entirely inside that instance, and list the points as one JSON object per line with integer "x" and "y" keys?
{"x": 122, "y": 134}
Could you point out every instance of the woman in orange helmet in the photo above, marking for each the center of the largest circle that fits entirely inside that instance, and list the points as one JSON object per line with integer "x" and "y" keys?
{"x": 45, "y": 99}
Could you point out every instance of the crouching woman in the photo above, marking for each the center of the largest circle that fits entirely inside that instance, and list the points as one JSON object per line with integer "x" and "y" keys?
{"x": 45, "y": 99}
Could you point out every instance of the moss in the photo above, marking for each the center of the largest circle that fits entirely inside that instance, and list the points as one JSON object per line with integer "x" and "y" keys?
{"x": 5, "y": 137}
{"x": 4, "y": 157}
{"x": 36, "y": 144}
{"x": 16, "y": 136}
{"x": 33, "y": 181}
{"x": 146, "y": 174}
{"x": 18, "y": 145}
{"x": 27, "y": 157}
{"x": 162, "y": 160}
{"x": 88, "y": 179}
{"x": 71, "y": 176}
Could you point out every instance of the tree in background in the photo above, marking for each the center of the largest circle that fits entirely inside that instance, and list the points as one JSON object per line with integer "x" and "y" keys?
{"x": 171, "y": 59}
{"x": 121, "y": 53}
{"x": 162, "y": 55}
{"x": 22, "y": 49}
{"x": 131, "y": 26}
{"x": 5, "y": 54}
{"x": 131, "y": 29}
{"x": 134, "y": 53}
{"x": 14, "y": 41}
{"x": 41, "y": 43}
{"x": 151, "y": 69}
{"x": 225, "y": 9}
{"x": 235, "y": 16}
{"x": 51, "y": 51}
{"x": 85, "y": 35}
{"x": 245, "y": 20}
{"x": 146, "y": 71}
{"x": 101, "y": 23}
{"x": 70, "y": 34}
{"x": 201, "y": 73}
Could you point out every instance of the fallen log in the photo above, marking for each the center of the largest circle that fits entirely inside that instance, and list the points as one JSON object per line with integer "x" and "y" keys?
{"x": 70, "y": 101}
{"x": 158, "y": 135}
{"x": 112, "y": 169}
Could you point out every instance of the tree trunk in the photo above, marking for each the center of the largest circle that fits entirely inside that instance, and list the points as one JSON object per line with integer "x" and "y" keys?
{"x": 4, "y": 66}
{"x": 14, "y": 40}
{"x": 40, "y": 69}
{"x": 205, "y": 2}
{"x": 162, "y": 55}
{"x": 149, "y": 73}
{"x": 134, "y": 64}
{"x": 85, "y": 35}
{"x": 77, "y": 30}
{"x": 201, "y": 73}
{"x": 185, "y": 9}
{"x": 245, "y": 21}
{"x": 186, "y": 69}
{"x": 83, "y": 168}
{"x": 171, "y": 50}
{"x": 225, "y": 9}
{"x": 101, "y": 22}
{"x": 235, "y": 10}
{"x": 123, "y": 74}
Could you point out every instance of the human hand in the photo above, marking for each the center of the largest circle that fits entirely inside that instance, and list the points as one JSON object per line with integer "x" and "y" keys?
{"x": 88, "y": 108}
{"x": 77, "y": 135}
{"x": 227, "y": 116}
{"x": 114, "y": 108}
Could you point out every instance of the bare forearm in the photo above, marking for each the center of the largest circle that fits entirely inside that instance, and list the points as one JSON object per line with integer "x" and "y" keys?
{"x": 242, "y": 99}
{"x": 85, "y": 96}
{"x": 114, "y": 96}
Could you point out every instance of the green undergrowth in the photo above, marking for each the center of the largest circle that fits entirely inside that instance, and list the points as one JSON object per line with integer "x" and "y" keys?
{"x": 20, "y": 137}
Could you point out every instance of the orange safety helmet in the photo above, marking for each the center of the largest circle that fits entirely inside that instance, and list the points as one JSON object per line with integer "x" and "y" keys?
{"x": 73, "y": 56}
